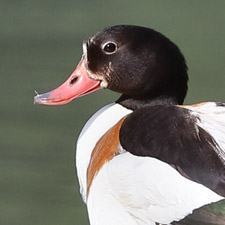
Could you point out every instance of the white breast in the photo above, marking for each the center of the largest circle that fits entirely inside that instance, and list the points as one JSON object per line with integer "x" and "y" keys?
{"x": 96, "y": 126}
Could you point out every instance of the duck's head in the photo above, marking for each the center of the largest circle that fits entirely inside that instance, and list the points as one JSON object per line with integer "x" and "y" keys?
{"x": 142, "y": 64}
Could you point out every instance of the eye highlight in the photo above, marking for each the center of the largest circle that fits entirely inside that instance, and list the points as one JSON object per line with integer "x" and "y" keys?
{"x": 109, "y": 47}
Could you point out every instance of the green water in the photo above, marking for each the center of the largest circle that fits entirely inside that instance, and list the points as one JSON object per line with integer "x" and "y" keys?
{"x": 40, "y": 45}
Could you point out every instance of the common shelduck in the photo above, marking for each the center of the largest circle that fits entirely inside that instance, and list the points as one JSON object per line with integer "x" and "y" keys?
{"x": 146, "y": 159}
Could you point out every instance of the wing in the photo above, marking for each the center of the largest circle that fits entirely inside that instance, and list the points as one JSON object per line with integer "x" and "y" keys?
{"x": 212, "y": 214}
{"x": 153, "y": 191}
{"x": 187, "y": 138}
{"x": 211, "y": 117}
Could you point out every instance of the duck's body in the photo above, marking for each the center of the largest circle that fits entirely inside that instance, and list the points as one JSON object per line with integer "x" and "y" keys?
{"x": 145, "y": 159}
{"x": 133, "y": 189}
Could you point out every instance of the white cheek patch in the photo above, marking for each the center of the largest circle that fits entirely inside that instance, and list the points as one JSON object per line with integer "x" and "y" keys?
{"x": 85, "y": 50}
{"x": 104, "y": 84}
{"x": 110, "y": 66}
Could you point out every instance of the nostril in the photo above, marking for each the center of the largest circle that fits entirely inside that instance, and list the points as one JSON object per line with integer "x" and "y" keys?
{"x": 73, "y": 80}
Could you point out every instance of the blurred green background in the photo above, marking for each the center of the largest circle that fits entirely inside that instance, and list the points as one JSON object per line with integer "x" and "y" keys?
{"x": 40, "y": 45}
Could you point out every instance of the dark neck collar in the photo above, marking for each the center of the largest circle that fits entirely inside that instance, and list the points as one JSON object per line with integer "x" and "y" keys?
{"x": 138, "y": 103}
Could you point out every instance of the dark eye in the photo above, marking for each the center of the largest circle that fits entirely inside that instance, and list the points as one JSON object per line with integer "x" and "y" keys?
{"x": 109, "y": 48}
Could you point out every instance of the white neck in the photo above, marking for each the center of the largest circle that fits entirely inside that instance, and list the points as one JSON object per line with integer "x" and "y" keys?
{"x": 96, "y": 126}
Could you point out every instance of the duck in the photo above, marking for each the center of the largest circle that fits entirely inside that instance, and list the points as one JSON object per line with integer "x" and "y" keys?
{"x": 146, "y": 159}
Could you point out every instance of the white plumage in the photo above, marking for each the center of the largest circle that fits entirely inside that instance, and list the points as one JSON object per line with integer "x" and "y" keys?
{"x": 95, "y": 127}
